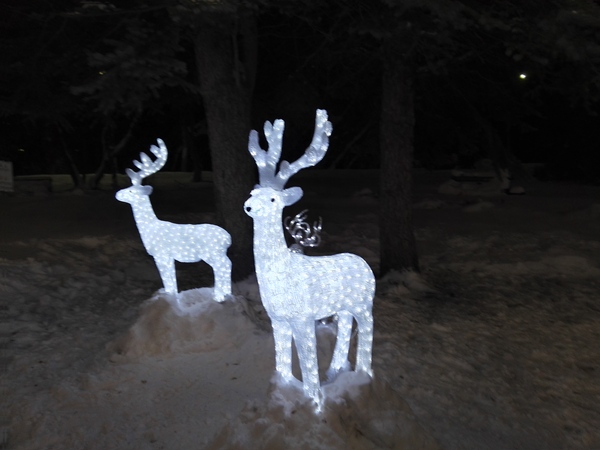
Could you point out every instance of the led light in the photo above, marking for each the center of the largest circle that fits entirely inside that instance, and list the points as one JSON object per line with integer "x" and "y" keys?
{"x": 302, "y": 232}
{"x": 168, "y": 242}
{"x": 296, "y": 289}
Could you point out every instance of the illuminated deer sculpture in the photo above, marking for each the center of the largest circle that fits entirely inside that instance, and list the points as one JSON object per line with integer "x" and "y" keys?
{"x": 296, "y": 289}
{"x": 168, "y": 242}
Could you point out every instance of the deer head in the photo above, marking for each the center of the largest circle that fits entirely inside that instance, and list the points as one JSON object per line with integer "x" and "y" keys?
{"x": 269, "y": 196}
{"x": 146, "y": 168}
{"x": 266, "y": 201}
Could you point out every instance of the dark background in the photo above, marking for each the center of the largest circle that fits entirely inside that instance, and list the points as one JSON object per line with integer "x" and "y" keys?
{"x": 303, "y": 63}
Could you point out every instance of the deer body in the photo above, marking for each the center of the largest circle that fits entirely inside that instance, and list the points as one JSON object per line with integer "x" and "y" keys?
{"x": 275, "y": 261}
{"x": 296, "y": 289}
{"x": 168, "y": 242}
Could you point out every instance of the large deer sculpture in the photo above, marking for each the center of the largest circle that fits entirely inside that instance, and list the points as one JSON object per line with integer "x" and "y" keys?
{"x": 297, "y": 289}
{"x": 168, "y": 242}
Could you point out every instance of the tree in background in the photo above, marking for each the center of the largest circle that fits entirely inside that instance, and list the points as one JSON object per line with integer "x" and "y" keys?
{"x": 149, "y": 59}
{"x": 225, "y": 45}
{"x": 134, "y": 59}
{"x": 35, "y": 75}
{"x": 435, "y": 38}
{"x": 132, "y": 72}
{"x": 395, "y": 50}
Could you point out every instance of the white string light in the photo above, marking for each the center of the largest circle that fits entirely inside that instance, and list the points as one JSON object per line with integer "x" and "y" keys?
{"x": 296, "y": 289}
{"x": 168, "y": 242}
{"x": 302, "y": 232}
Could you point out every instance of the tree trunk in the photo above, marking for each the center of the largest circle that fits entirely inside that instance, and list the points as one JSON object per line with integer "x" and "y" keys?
{"x": 109, "y": 152}
{"x": 73, "y": 169}
{"x": 225, "y": 53}
{"x": 397, "y": 240}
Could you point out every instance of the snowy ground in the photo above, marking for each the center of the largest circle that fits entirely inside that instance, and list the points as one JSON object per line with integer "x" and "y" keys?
{"x": 499, "y": 350}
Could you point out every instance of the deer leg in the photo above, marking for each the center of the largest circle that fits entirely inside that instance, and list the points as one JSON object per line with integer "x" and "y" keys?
{"x": 365, "y": 342}
{"x": 222, "y": 272}
{"x": 306, "y": 346}
{"x": 340, "y": 362}
{"x": 282, "y": 334}
{"x": 166, "y": 268}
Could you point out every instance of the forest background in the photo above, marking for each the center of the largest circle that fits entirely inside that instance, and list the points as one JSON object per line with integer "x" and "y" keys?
{"x": 86, "y": 85}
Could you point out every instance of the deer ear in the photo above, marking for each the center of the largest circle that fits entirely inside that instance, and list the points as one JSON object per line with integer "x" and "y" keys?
{"x": 292, "y": 195}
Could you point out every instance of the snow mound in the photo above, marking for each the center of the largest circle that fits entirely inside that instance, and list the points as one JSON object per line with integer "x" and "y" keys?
{"x": 492, "y": 187}
{"x": 359, "y": 413}
{"x": 364, "y": 193}
{"x": 405, "y": 283}
{"x": 194, "y": 324}
{"x": 591, "y": 212}
{"x": 573, "y": 266}
{"x": 478, "y": 206}
{"x": 430, "y": 204}
{"x": 515, "y": 190}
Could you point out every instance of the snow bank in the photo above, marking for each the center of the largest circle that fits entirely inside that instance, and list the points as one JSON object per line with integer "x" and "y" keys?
{"x": 193, "y": 324}
{"x": 167, "y": 382}
{"x": 359, "y": 414}
{"x": 493, "y": 347}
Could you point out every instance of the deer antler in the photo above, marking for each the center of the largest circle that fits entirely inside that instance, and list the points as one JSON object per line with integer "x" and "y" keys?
{"x": 147, "y": 166}
{"x": 266, "y": 161}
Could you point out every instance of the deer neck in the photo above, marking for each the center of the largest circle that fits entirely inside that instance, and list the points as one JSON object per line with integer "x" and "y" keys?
{"x": 143, "y": 212}
{"x": 269, "y": 241}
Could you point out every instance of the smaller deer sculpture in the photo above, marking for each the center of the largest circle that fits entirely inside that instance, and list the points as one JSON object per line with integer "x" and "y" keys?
{"x": 168, "y": 242}
{"x": 297, "y": 289}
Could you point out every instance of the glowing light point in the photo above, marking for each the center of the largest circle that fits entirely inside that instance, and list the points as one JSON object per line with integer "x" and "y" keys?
{"x": 523, "y": 76}
{"x": 168, "y": 242}
{"x": 302, "y": 232}
{"x": 297, "y": 290}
